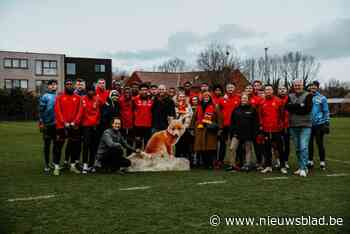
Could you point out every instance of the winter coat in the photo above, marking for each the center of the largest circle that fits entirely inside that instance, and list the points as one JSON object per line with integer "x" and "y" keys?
{"x": 206, "y": 134}
{"x": 244, "y": 123}
{"x": 320, "y": 110}
{"x": 47, "y": 108}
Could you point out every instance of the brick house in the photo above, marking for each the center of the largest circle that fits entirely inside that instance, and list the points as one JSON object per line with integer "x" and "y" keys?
{"x": 176, "y": 79}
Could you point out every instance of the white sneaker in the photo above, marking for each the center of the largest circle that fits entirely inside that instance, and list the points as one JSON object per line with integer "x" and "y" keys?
{"x": 310, "y": 163}
{"x": 297, "y": 172}
{"x": 284, "y": 171}
{"x": 266, "y": 170}
{"x": 302, "y": 173}
{"x": 323, "y": 165}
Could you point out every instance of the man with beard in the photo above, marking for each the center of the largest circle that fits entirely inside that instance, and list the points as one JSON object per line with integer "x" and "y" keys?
{"x": 127, "y": 115}
{"x": 68, "y": 112}
{"x": 299, "y": 106}
{"x": 270, "y": 115}
{"x": 227, "y": 104}
{"x": 163, "y": 110}
{"x": 142, "y": 108}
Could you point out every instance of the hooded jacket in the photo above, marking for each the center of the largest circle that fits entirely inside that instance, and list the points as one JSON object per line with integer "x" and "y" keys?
{"x": 109, "y": 111}
{"x": 47, "y": 108}
{"x": 320, "y": 110}
{"x": 111, "y": 139}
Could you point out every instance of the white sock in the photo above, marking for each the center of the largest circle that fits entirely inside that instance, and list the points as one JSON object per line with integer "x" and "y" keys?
{"x": 72, "y": 165}
{"x": 85, "y": 167}
{"x": 57, "y": 166}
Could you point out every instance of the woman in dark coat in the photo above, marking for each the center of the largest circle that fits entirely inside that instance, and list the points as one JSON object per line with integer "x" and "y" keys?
{"x": 244, "y": 127}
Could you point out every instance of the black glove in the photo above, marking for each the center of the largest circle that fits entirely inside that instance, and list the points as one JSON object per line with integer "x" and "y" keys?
{"x": 326, "y": 128}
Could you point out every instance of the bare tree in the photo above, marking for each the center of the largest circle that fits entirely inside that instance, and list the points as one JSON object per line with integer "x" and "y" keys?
{"x": 282, "y": 69}
{"x": 217, "y": 57}
{"x": 172, "y": 65}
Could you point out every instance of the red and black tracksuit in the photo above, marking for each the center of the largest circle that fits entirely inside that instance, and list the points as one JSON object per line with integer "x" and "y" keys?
{"x": 255, "y": 101}
{"x": 127, "y": 118}
{"x": 90, "y": 120}
{"x": 270, "y": 115}
{"x": 285, "y": 129}
{"x": 227, "y": 105}
{"x": 103, "y": 94}
{"x": 68, "y": 112}
{"x": 142, "y": 108}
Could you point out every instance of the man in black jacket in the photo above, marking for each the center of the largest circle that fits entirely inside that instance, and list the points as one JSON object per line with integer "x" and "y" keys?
{"x": 163, "y": 110}
{"x": 244, "y": 126}
{"x": 110, "y": 150}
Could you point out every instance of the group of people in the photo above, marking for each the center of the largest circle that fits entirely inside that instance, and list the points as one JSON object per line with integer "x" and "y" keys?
{"x": 224, "y": 127}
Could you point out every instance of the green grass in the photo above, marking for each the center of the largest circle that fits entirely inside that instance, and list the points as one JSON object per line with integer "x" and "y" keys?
{"x": 173, "y": 204}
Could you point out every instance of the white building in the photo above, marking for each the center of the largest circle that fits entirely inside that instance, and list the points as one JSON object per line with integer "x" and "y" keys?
{"x": 30, "y": 70}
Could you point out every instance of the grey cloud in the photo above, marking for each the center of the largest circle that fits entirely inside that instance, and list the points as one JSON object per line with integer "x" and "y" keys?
{"x": 327, "y": 41}
{"x": 139, "y": 55}
{"x": 180, "y": 43}
{"x": 228, "y": 32}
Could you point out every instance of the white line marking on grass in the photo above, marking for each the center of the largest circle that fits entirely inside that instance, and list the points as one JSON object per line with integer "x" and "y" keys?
{"x": 212, "y": 182}
{"x": 339, "y": 174}
{"x": 276, "y": 178}
{"x": 336, "y": 160}
{"x": 135, "y": 188}
{"x": 31, "y": 198}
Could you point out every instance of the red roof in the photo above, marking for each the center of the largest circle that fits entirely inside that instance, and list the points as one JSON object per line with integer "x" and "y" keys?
{"x": 172, "y": 79}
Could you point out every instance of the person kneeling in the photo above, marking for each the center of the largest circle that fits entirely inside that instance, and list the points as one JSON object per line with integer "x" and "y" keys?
{"x": 111, "y": 149}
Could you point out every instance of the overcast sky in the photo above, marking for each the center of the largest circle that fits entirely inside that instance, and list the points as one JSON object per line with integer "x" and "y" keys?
{"x": 141, "y": 34}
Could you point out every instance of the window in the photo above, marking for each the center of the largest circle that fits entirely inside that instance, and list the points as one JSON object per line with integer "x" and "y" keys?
{"x": 24, "y": 84}
{"x": 40, "y": 86}
{"x": 8, "y": 84}
{"x": 71, "y": 68}
{"x": 12, "y": 84}
{"x": 46, "y": 67}
{"x": 16, "y": 63}
{"x": 100, "y": 68}
{"x": 24, "y": 63}
{"x": 8, "y": 63}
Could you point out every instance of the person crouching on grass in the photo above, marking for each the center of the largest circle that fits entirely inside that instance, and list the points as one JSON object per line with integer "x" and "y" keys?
{"x": 111, "y": 149}
{"x": 244, "y": 127}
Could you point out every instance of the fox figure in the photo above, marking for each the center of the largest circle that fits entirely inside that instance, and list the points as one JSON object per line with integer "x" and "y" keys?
{"x": 161, "y": 143}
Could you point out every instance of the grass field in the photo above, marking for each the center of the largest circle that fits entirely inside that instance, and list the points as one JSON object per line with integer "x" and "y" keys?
{"x": 174, "y": 201}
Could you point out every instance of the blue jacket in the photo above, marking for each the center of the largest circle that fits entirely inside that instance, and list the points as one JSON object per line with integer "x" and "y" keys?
{"x": 47, "y": 108}
{"x": 320, "y": 110}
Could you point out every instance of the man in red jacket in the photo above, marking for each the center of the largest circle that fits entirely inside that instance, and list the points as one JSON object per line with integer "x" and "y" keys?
{"x": 101, "y": 91}
{"x": 270, "y": 115}
{"x": 142, "y": 108}
{"x": 227, "y": 104}
{"x": 127, "y": 115}
{"x": 68, "y": 112}
{"x": 283, "y": 95}
{"x": 90, "y": 119}
{"x": 255, "y": 101}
